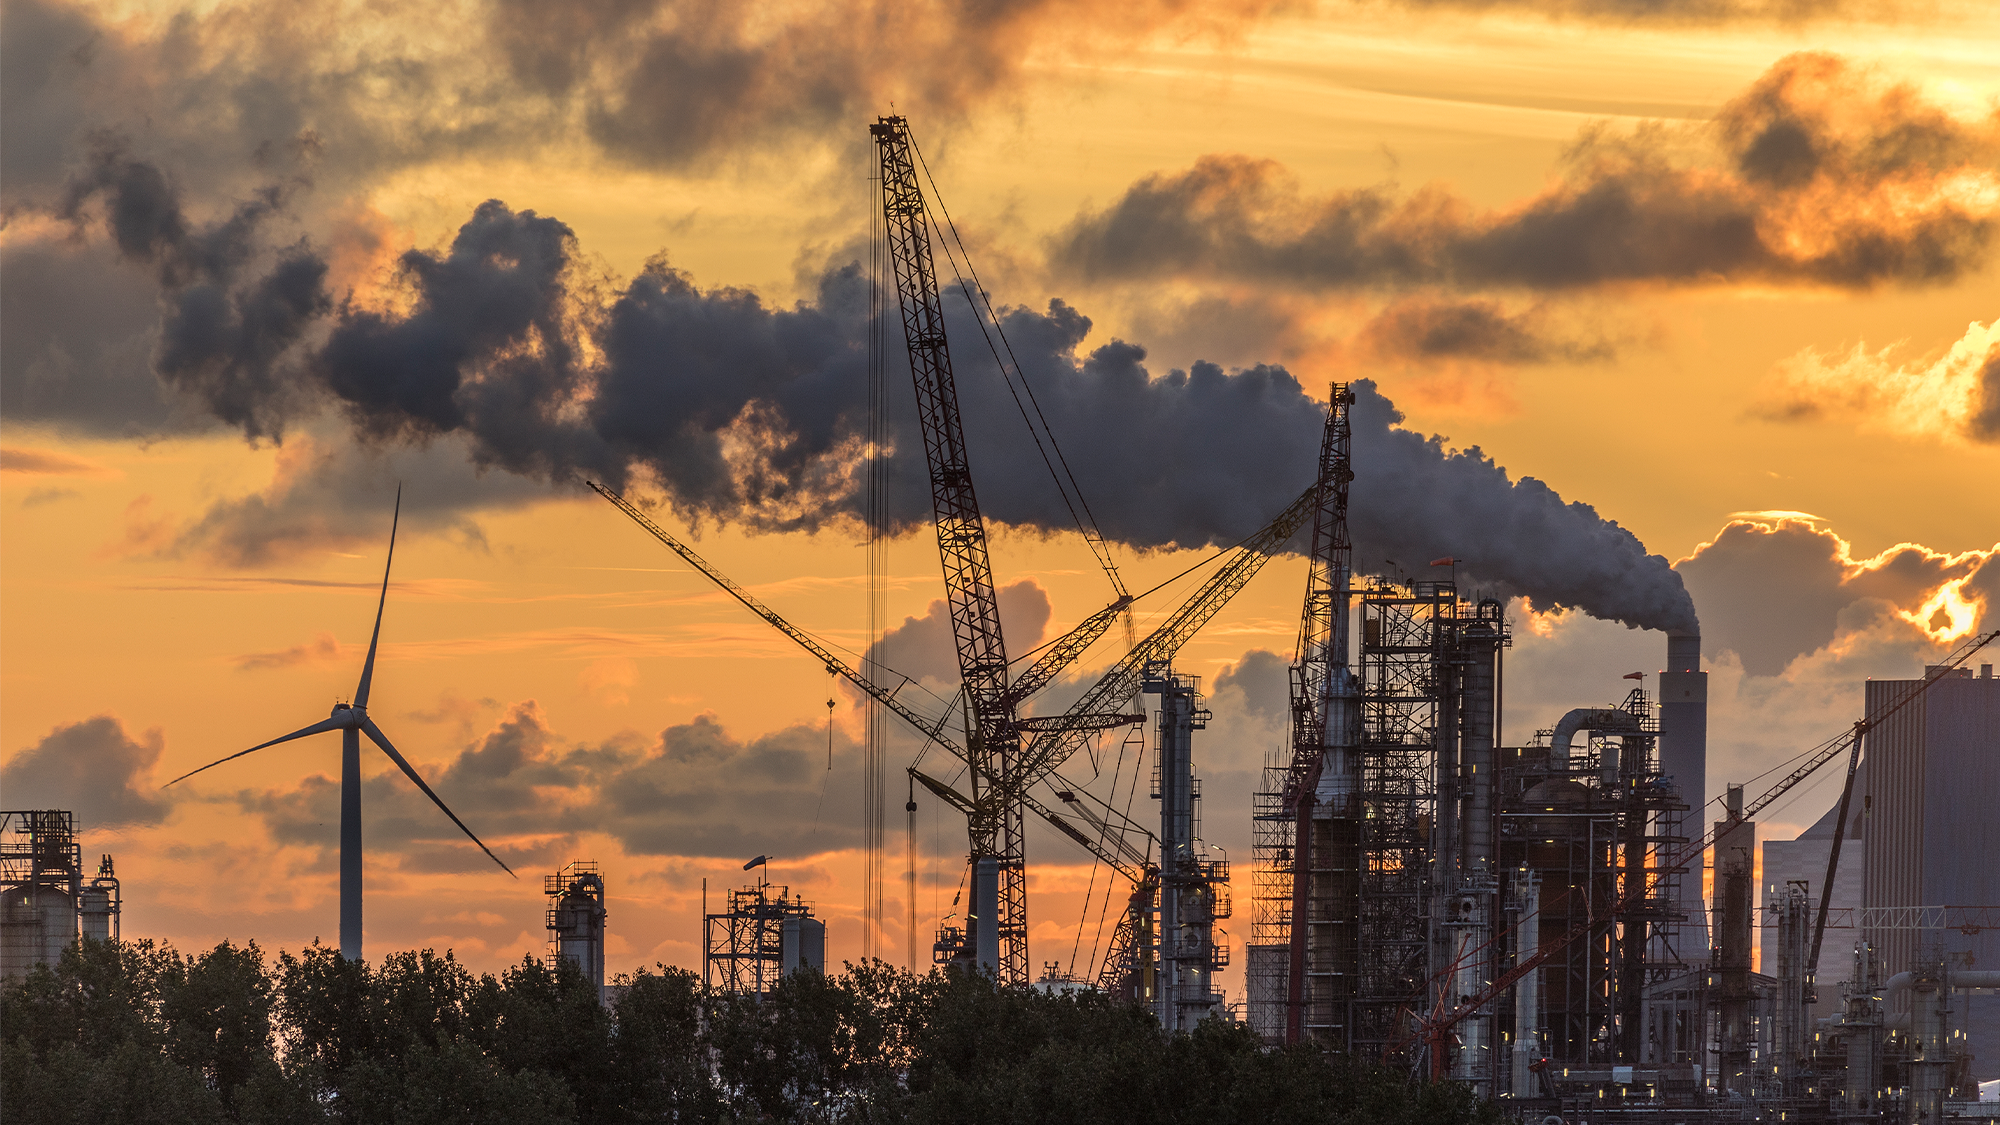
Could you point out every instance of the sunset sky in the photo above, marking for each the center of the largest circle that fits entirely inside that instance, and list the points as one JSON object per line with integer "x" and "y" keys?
{"x": 1723, "y": 271}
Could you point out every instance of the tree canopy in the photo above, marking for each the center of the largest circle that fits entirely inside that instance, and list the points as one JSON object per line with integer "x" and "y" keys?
{"x": 139, "y": 1033}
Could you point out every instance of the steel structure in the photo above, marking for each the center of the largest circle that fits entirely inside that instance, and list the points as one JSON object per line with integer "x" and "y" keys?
{"x": 1193, "y": 884}
{"x": 999, "y": 857}
{"x": 41, "y": 883}
{"x": 576, "y": 919}
{"x": 759, "y": 940}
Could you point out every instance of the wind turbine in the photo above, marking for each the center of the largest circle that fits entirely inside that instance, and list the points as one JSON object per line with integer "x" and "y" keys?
{"x": 352, "y": 721}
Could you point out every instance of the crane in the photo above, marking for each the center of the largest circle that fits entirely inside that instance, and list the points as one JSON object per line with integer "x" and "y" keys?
{"x": 1435, "y": 1029}
{"x": 1111, "y": 837}
{"x": 999, "y": 861}
{"x": 1325, "y": 699}
{"x": 1114, "y": 841}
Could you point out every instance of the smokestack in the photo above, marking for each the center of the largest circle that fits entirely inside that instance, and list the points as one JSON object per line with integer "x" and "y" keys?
{"x": 1684, "y": 760}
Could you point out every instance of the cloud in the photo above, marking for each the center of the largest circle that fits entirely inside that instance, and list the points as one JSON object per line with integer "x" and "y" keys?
{"x": 336, "y": 493}
{"x": 1820, "y": 174}
{"x": 322, "y": 648}
{"x": 1953, "y": 395}
{"x": 48, "y": 463}
{"x": 922, "y": 648}
{"x": 223, "y": 335}
{"x": 695, "y": 790}
{"x": 1264, "y": 680}
{"x": 1775, "y": 590}
{"x": 1686, "y": 11}
{"x": 94, "y": 769}
{"x": 667, "y": 84}
{"x": 1423, "y": 328}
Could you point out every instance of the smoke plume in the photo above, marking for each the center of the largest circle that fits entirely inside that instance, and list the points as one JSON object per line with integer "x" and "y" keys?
{"x": 735, "y": 411}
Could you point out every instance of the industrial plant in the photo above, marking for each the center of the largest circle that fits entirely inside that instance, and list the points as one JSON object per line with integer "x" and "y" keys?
{"x": 1559, "y": 919}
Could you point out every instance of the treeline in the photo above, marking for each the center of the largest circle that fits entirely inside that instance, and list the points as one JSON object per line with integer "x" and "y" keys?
{"x": 138, "y": 1033}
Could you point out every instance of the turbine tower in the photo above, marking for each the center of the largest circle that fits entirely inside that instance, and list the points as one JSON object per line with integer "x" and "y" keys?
{"x": 352, "y": 721}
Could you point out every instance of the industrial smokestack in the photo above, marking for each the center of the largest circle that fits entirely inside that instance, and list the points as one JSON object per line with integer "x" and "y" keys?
{"x": 1684, "y": 760}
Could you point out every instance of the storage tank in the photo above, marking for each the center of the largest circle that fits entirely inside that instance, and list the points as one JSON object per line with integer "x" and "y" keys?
{"x": 36, "y": 925}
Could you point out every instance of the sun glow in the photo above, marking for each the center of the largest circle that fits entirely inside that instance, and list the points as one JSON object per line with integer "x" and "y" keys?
{"x": 1949, "y": 604}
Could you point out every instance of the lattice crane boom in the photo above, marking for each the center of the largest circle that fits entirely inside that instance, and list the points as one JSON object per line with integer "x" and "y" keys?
{"x": 1052, "y": 748}
{"x": 1115, "y": 848}
{"x": 997, "y": 832}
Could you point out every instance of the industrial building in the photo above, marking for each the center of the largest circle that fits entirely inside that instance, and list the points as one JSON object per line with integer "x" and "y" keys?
{"x": 45, "y": 904}
{"x": 576, "y": 918}
{"x": 764, "y": 936}
{"x": 1527, "y": 917}
{"x": 1932, "y": 828}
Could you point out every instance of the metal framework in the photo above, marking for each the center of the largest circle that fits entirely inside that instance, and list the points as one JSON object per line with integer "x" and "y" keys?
{"x": 746, "y": 948}
{"x": 996, "y": 828}
{"x": 576, "y": 918}
{"x": 41, "y": 882}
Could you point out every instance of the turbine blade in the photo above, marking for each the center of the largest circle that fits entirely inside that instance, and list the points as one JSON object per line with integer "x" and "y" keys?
{"x": 368, "y": 666}
{"x": 322, "y": 726}
{"x": 376, "y": 736}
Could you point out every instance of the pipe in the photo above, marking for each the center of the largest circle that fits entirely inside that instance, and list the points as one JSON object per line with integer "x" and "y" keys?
{"x": 1585, "y": 718}
{"x": 1974, "y": 981}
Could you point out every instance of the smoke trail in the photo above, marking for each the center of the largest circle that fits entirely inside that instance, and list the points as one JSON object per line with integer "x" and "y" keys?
{"x": 752, "y": 415}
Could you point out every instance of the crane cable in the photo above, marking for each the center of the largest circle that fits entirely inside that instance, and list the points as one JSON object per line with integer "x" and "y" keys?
{"x": 1086, "y": 521}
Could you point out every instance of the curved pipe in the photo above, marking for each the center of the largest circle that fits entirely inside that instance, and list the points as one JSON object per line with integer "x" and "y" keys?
{"x": 1585, "y": 718}
{"x": 1894, "y": 987}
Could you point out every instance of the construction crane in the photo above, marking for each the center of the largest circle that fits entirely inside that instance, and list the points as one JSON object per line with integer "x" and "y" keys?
{"x": 999, "y": 860}
{"x": 1122, "y": 855}
{"x": 1325, "y": 698}
{"x": 1434, "y": 1030}
{"x": 1112, "y": 838}
{"x": 1057, "y": 739}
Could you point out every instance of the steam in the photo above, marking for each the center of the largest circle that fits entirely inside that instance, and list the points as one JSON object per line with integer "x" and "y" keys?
{"x": 739, "y": 412}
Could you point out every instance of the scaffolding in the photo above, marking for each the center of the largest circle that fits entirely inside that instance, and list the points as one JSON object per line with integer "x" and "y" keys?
{"x": 762, "y": 938}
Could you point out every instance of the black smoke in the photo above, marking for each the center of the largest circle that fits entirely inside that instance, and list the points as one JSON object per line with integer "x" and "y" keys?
{"x": 738, "y": 412}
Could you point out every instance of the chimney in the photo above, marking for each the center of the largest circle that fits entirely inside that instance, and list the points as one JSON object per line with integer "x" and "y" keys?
{"x": 1684, "y": 760}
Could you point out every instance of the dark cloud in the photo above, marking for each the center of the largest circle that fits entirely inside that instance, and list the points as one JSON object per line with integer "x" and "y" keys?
{"x": 1984, "y": 424}
{"x": 94, "y": 769}
{"x": 753, "y": 415}
{"x": 1822, "y": 175}
{"x": 696, "y": 790}
{"x": 1772, "y": 590}
{"x": 1480, "y": 330}
{"x": 77, "y": 347}
{"x": 223, "y": 332}
{"x": 669, "y": 83}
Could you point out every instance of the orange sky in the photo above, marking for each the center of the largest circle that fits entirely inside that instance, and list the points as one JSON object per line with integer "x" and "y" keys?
{"x": 207, "y": 591}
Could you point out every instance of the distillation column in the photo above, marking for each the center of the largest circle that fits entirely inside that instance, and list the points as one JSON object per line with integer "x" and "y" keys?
{"x": 1474, "y": 901}
{"x": 1188, "y": 896}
